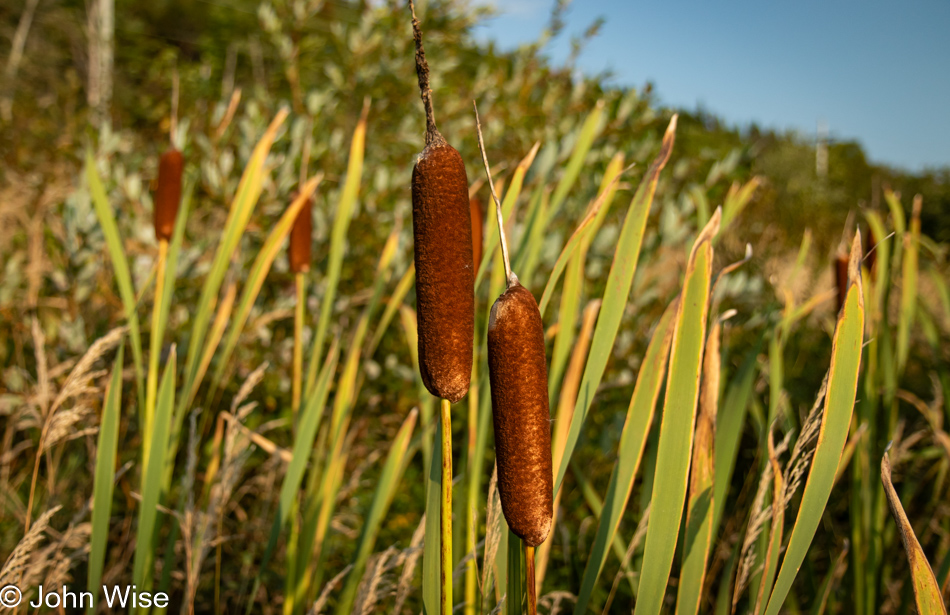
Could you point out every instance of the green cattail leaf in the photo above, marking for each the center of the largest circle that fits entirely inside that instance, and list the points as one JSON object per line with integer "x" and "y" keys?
{"x": 148, "y": 507}
{"x": 778, "y": 526}
{"x": 736, "y": 200}
{"x": 515, "y": 592}
{"x": 258, "y": 272}
{"x": 585, "y": 139}
{"x": 581, "y": 239}
{"x": 245, "y": 199}
{"x": 633, "y": 439}
{"x": 174, "y": 250}
{"x": 730, "y": 421}
{"x": 882, "y": 256}
{"x": 105, "y": 477}
{"x": 676, "y": 428}
{"x": 615, "y": 298}
{"x": 831, "y": 578}
{"x": 120, "y": 266}
{"x": 699, "y": 506}
{"x": 507, "y": 207}
{"x": 835, "y": 422}
{"x": 893, "y": 200}
{"x": 392, "y": 306}
{"x": 908, "y": 286}
{"x": 387, "y": 486}
{"x": 926, "y": 590}
{"x": 341, "y": 224}
{"x": 310, "y": 418}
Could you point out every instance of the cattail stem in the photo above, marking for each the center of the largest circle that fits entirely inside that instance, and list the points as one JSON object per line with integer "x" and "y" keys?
{"x": 422, "y": 71}
{"x": 300, "y": 280}
{"x": 529, "y": 580}
{"x": 510, "y": 277}
{"x": 155, "y": 347}
{"x": 445, "y": 523}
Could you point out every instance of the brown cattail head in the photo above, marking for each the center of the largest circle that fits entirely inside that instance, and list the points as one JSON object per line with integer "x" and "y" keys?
{"x": 518, "y": 374}
{"x": 300, "y": 238}
{"x": 870, "y": 254}
{"x": 841, "y": 278}
{"x": 478, "y": 221}
{"x": 445, "y": 275}
{"x": 168, "y": 193}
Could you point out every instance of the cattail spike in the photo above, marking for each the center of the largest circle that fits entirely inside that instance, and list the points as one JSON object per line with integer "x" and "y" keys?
{"x": 301, "y": 238}
{"x": 168, "y": 193}
{"x": 445, "y": 272}
{"x": 517, "y": 372}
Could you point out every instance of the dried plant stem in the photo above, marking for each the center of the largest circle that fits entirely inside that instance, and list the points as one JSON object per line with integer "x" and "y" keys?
{"x": 422, "y": 71}
{"x": 446, "y": 513}
{"x": 510, "y": 277}
{"x": 155, "y": 347}
{"x": 529, "y": 580}
{"x": 301, "y": 283}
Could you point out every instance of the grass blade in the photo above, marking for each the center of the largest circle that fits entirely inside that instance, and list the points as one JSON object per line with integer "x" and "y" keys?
{"x": 341, "y": 224}
{"x": 730, "y": 421}
{"x": 617, "y": 290}
{"x": 926, "y": 590}
{"x": 105, "y": 477}
{"x": 148, "y": 511}
{"x": 120, "y": 266}
{"x": 382, "y": 498}
{"x": 908, "y": 286}
{"x": 835, "y": 422}
{"x": 245, "y": 199}
{"x": 699, "y": 515}
{"x": 676, "y": 427}
{"x": 633, "y": 439}
{"x": 258, "y": 272}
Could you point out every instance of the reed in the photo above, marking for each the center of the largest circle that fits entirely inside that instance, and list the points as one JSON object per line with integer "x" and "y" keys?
{"x": 517, "y": 372}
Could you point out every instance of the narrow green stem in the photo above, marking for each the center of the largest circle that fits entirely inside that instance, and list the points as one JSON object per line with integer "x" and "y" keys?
{"x": 446, "y": 506}
{"x": 154, "y": 349}
{"x": 301, "y": 283}
{"x": 471, "y": 570}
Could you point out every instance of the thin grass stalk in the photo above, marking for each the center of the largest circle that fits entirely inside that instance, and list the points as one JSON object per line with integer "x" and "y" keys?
{"x": 155, "y": 346}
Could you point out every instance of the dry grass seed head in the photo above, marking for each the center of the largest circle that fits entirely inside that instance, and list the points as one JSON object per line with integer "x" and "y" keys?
{"x": 20, "y": 561}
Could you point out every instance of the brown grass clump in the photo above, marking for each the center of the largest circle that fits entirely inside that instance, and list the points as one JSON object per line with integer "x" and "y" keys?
{"x": 445, "y": 273}
{"x": 300, "y": 238}
{"x": 168, "y": 193}
{"x": 519, "y": 394}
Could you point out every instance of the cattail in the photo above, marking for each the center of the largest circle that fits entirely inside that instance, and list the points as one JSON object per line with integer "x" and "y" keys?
{"x": 519, "y": 395}
{"x": 841, "y": 278}
{"x": 300, "y": 238}
{"x": 445, "y": 274}
{"x": 168, "y": 193}
{"x": 478, "y": 220}
{"x": 870, "y": 253}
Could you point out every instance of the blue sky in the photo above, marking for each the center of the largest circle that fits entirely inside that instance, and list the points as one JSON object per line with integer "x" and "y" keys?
{"x": 873, "y": 71}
